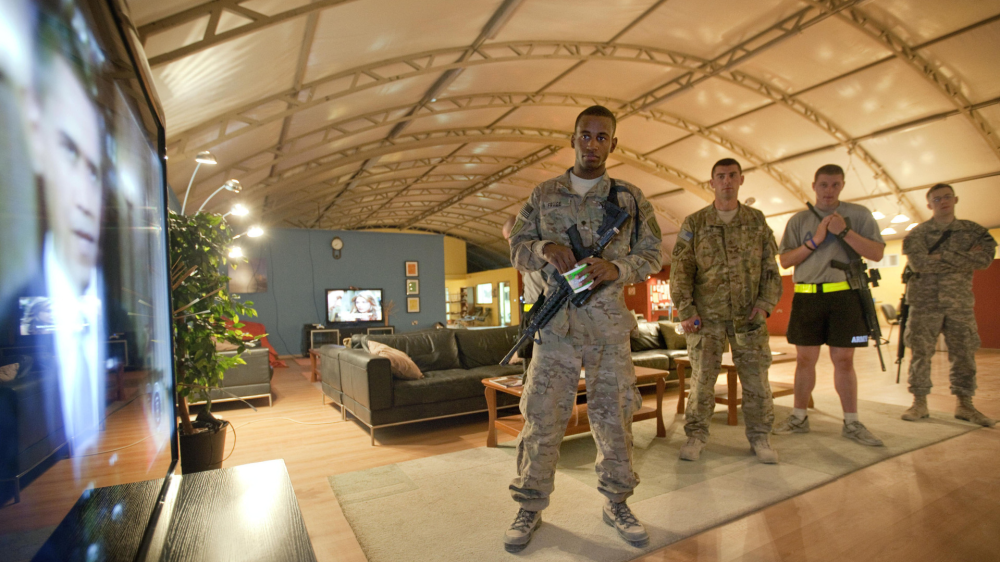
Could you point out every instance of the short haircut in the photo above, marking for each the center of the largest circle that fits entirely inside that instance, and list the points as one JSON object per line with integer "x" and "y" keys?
{"x": 57, "y": 36}
{"x": 597, "y": 111}
{"x": 829, "y": 170}
{"x": 726, "y": 162}
{"x": 938, "y": 186}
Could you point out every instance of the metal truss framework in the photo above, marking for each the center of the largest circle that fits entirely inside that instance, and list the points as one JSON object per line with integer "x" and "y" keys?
{"x": 213, "y": 11}
{"x": 926, "y": 69}
{"x": 791, "y": 26}
{"x": 363, "y": 123}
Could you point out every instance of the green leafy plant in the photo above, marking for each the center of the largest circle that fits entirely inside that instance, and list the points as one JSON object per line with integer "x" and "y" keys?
{"x": 204, "y": 312}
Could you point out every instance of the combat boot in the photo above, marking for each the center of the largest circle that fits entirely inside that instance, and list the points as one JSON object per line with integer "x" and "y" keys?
{"x": 619, "y": 516}
{"x": 762, "y": 448}
{"x": 966, "y": 411}
{"x": 918, "y": 410}
{"x": 519, "y": 534}
{"x": 691, "y": 451}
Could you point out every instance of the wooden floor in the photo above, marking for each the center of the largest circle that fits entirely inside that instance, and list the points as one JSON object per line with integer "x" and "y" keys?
{"x": 938, "y": 503}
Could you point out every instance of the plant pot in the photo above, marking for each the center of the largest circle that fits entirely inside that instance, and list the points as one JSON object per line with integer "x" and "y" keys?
{"x": 203, "y": 450}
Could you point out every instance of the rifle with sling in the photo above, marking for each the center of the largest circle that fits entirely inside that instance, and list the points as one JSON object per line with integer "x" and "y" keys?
{"x": 904, "y": 307}
{"x": 859, "y": 279}
{"x": 547, "y": 306}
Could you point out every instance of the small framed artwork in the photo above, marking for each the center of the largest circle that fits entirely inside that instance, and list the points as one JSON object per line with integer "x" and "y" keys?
{"x": 412, "y": 287}
{"x": 411, "y": 269}
{"x": 413, "y": 304}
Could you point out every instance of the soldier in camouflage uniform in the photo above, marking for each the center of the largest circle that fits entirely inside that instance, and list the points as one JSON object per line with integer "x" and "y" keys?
{"x": 594, "y": 337}
{"x": 725, "y": 281}
{"x": 940, "y": 298}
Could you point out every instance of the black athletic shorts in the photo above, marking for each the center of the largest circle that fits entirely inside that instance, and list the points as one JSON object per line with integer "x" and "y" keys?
{"x": 834, "y": 319}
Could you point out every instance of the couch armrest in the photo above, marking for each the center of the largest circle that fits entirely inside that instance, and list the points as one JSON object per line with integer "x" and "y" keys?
{"x": 366, "y": 378}
{"x": 329, "y": 367}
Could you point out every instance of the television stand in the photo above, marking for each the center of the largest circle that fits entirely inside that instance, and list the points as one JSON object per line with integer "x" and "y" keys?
{"x": 207, "y": 516}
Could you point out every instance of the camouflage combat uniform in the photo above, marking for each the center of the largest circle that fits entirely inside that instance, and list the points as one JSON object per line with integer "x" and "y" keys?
{"x": 940, "y": 299}
{"x": 594, "y": 337}
{"x": 721, "y": 272}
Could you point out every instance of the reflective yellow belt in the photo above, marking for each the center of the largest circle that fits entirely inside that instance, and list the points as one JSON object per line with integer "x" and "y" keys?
{"x": 527, "y": 306}
{"x": 822, "y": 287}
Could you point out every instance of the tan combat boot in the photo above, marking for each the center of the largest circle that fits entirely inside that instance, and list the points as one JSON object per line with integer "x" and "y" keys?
{"x": 918, "y": 410}
{"x": 762, "y": 448}
{"x": 691, "y": 451}
{"x": 966, "y": 411}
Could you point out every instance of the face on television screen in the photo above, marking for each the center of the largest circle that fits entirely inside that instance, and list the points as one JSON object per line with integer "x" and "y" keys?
{"x": 85, "y": 361}
{"x": 363, "y": 305}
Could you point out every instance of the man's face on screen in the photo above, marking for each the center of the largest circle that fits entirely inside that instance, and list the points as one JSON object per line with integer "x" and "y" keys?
{"x": 69, "y": 140}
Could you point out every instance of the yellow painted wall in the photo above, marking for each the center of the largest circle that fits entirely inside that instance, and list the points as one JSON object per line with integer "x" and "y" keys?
{"x": 455, "y": 263}
{"x": 494, "y": 277}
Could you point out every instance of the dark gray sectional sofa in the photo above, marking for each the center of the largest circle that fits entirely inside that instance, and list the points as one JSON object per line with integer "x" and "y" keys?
{"x": 454, "y": 363}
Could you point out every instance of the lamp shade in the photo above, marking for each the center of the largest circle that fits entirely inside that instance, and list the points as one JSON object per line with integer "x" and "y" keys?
{"x": 205, "y": 157}
{"x": 255, "y": 231}
{"x": 233, "y": 185}
{"x": 240, "y": 210}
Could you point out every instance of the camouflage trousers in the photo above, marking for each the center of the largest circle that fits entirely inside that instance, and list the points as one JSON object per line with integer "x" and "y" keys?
{"x": 752, "y": 356}
{"x": 960, "y": 334}
{"x": 547, "y": 404}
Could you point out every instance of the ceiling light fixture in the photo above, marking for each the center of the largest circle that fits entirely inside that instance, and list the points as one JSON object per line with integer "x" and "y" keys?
{"x": 203, "y": 157}
{"x": 899, "y": 218}
{"x": 878, "y": 214}
{"x": 911, "y": 227}
{"x": 888, "y": 230}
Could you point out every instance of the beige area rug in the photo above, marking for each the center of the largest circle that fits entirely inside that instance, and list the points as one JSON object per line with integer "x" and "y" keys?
{"x": 457, "y": 506}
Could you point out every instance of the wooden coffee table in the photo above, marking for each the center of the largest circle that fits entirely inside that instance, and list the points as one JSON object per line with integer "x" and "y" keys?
{"x": 578, "y": 421}
{"x": 730, "y": 393}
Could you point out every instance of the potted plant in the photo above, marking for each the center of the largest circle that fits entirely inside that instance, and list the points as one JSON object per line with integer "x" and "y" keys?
{"x": 204, "y": 314}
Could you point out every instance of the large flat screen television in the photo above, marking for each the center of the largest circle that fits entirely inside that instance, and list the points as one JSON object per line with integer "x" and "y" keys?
{"x": 353, "y": 305}
{"x": 86, "y": 368}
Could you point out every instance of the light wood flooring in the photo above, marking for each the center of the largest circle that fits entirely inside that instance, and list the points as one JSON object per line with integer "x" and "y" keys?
{"x": 938, "y": 503}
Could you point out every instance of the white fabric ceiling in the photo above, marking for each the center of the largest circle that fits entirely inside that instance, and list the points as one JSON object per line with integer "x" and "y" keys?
{"x": 442, "y": 115}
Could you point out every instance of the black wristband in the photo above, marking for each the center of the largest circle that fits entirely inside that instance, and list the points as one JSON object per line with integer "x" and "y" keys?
{"x": 844, "y": 232}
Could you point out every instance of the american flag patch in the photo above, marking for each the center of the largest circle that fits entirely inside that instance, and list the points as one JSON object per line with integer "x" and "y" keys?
{"x": 686, "y": 235}
{"x": 526, "y": 211}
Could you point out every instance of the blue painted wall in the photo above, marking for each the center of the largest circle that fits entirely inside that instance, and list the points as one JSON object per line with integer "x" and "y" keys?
{"x": 300, "y": 268}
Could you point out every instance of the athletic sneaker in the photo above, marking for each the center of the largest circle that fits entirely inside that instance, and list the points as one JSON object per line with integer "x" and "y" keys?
{"x": 519, "y": 534}
{"x": 858, "y": 432}
{"x": 619, "y": 516}
{"x": 792, "y": 424}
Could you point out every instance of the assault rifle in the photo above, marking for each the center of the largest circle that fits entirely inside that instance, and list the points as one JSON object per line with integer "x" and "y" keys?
{"x": 904, "y": 307}
{"x": 614, "y": 218}
{"x": 859, "y": 279}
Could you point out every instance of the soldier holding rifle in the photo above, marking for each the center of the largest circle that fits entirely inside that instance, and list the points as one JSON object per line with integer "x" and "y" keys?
{"x": 943, "y": 253}
{"x": 594, "y": 337}
{"x": 825, "y": 308}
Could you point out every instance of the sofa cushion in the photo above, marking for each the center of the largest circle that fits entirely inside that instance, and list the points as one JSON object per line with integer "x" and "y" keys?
{"x": 444, "y": 385}
{"x": 431, "y": 351}
{"x": 400, "y": 364}
{"x": 645, "y": 336}
{"x": 671, "y": 338}
{"x": 653, "y": 358}
{"x": 486, "y": 347}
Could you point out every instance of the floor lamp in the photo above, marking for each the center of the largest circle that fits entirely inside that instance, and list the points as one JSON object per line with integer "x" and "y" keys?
{"x": 230, "y": 185}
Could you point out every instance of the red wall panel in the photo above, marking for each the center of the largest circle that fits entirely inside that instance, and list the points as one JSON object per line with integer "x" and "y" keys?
{"x": 986, "y": 288}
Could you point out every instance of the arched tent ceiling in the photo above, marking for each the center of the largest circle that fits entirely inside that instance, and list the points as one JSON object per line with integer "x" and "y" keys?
{"x": 441, "y": 115}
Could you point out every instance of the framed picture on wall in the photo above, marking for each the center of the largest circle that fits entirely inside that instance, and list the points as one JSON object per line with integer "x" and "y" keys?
{"x": 412, "y": 287}
{"x": 413, "y": 304}
{"x": 411, "y": 269}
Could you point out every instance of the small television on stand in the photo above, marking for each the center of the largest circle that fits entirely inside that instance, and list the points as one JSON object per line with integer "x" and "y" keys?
{"x": 353, "y": 306}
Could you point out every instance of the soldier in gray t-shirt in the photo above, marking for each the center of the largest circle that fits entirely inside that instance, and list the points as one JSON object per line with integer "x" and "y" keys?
{"x": 825, "y": 310}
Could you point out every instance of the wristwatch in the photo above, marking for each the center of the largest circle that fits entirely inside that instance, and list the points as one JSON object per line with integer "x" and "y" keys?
{"x": 844, "y": 232}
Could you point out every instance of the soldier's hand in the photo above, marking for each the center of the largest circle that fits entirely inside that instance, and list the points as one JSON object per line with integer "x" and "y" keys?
{"x": 820, "y": 235}
{"x": 599, "y": 270}
{"x": 837, "y": 223}
{"x": 755, "y": 312}
{"x": 559, "y": 256}
{"x": 691, "y": 325}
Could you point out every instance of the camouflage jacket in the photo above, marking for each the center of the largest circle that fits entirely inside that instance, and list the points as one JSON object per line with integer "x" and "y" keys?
{"x": 722, "y": 271}
{"x": 550, "y": 211}
{"x": 946, "y": 282}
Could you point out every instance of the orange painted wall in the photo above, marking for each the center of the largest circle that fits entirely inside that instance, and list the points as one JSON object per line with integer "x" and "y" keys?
{"x": 986, "y": 288}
